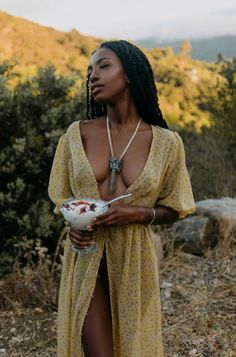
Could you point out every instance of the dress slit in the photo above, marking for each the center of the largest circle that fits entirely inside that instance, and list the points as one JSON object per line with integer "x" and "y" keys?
{"x": 103, "y": 275}
{"x": 97, "y": 326}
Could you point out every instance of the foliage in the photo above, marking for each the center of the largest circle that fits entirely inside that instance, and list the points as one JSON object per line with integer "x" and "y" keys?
{"x": 211, "y": 153}
{"x": 35, "y": 112}
{"x": 222, "y": 104}
{"x": 211, "y": 171}
{"x": 32, "y": 117}
{"x": 182, "y": 82}
{"x": 183, "y": 86}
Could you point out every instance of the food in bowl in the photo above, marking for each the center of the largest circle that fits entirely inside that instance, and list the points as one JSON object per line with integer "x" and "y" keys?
{"x": 80, "y": 212}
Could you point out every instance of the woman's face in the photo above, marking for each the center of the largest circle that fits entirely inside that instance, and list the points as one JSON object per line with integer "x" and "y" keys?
{"x": 107, "y": 79}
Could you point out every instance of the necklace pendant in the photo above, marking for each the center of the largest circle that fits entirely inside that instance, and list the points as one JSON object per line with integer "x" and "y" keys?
{"x": 115, "y": 164}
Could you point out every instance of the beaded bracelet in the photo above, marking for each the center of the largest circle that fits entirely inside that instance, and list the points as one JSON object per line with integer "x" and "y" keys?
{"x": 154, "y": 216}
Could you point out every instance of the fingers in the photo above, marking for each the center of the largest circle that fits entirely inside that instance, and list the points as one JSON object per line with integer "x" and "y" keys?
{"x": 105, "y": 219}
{"x": 104, "y": 216}
{"x": 82, "y": 239}
{"x": 81, "y": 234}
{"x": 106, "y": 222}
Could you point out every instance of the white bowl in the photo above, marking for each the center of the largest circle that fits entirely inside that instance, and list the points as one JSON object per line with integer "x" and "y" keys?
{"x": 82, "y": 220}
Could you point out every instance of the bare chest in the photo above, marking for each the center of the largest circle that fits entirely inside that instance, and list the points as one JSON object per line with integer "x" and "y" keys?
{"x": 96, "y": 146}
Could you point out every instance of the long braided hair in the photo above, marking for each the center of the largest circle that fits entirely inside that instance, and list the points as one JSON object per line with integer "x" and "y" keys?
{"x": 142, "y": 85}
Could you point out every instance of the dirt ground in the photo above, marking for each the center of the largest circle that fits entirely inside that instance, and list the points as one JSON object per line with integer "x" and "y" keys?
{"x": 198, "y": 305}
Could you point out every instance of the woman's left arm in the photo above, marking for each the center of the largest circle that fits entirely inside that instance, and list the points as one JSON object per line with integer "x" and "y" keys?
{"x": 157, "y": 215}
{"x": 121, "y": 214}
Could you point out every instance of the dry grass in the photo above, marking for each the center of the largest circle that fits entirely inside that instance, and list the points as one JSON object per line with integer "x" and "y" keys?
{"x": 198, "y": 305}
{"x": 28, "y": 332}
{"x": 33, "y": 288}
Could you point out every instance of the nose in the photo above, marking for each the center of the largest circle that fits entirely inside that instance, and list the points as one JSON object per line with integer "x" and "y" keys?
{"x": 93, "y": 76}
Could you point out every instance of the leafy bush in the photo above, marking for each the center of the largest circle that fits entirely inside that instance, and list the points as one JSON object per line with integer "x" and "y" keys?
{"x": 36, "y": 112}
{"x": 211, "y": 153}
{"x": 223, "y": 106}
{"x": 211, "y": 171}
{"x": 33, "y": 115}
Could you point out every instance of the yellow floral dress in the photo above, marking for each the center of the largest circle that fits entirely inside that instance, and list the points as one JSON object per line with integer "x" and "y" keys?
{"x": 131, "y": 258}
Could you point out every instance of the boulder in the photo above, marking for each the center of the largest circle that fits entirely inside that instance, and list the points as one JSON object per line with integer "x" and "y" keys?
{"x": 213, "y": 221}
{"x": 195, "y": 234}
{"x": 222, "y": 211}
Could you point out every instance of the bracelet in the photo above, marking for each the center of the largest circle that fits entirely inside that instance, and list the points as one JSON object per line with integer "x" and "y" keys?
{"x": 154, "y": 216}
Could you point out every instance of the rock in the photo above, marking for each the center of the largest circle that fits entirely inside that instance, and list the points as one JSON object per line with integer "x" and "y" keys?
{"x": 195, "y": 234}
{"x": 166, "y": 289}
{"x": 16, "y": 339}
{"x": 213, "y": 221}
{"x": 222, "y": 211}
{"x": 38, "y": 310}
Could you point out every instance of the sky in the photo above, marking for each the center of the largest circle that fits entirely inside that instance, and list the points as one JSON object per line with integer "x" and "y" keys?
{"x": 131, "y": 19}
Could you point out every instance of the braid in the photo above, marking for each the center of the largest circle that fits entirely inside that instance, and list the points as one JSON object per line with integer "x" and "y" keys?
{"x": 142, "y": 84}
{"x": 88, "y": 99}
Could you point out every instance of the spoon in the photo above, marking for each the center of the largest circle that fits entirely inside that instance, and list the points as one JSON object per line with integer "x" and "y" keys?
{"x": 117, "y": 198}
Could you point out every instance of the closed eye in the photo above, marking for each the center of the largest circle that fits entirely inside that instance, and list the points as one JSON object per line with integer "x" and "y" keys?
{"x": 104, "y": 66}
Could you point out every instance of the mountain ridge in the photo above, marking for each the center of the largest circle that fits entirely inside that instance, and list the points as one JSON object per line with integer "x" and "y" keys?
{"x": 205, "y": 49}
{"x": 33, "y": 45}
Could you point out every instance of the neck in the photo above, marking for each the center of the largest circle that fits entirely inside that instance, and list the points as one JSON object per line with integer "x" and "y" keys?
{"x": 122, "y": 115}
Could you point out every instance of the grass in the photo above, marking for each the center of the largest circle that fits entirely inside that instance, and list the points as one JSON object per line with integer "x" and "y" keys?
{"x": 198, "y": 308}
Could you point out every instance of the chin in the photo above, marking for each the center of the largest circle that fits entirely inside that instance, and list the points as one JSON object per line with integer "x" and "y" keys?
{"x": 101, "y": 100}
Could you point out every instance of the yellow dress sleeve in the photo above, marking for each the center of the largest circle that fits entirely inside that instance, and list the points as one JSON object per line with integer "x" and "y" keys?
{"x": 59, "y": 189}
{"x": 176, "y": 191}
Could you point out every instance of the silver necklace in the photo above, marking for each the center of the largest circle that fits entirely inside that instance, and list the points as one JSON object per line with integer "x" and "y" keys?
{"x": 115, "y": 163}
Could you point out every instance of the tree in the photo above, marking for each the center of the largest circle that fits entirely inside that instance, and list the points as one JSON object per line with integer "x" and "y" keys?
{"x": 33, "y": 115}
{"x": 185, "y": 48}
{"x": 223, "y": 108}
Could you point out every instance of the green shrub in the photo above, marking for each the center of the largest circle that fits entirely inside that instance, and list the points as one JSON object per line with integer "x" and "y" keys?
{"x": 33, "y": 115}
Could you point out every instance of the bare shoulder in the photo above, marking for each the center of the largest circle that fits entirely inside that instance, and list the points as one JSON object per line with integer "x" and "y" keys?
{"x": 87, "y": 126}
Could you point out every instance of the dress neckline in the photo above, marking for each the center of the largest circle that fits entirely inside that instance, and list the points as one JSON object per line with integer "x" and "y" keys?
{"x": 138, "y": 178}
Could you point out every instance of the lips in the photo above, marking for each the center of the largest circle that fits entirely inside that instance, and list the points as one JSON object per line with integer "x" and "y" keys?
{"x": 96, "y": 88}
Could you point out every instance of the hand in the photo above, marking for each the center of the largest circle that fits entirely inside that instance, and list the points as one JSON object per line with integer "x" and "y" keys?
{"x": 117, "y": 214}
{"x": 82, "y": 239}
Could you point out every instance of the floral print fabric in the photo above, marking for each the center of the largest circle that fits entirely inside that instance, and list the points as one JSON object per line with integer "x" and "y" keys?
{"x": 131, "y": 257}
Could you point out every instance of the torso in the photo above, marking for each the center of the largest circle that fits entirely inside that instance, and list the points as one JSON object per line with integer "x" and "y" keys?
{"x": 96, "y": 146}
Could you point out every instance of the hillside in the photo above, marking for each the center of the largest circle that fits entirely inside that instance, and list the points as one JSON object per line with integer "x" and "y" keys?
{"x": 183, "y": 83}
{"x": 33, "y": 45}
{"x": 206, "y": 49}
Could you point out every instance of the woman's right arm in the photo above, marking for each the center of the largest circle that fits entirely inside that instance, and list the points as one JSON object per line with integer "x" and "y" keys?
{"x": 59, "y": 189}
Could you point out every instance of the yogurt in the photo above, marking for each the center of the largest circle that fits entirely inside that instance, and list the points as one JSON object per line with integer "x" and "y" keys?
{"x": 80, "y": 212}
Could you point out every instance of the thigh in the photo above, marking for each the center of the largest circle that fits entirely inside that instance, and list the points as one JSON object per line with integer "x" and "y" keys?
{"x": 97, "y": 328}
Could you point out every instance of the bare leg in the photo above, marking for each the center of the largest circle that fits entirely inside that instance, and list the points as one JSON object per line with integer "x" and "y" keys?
{"x": 97, "y": 328}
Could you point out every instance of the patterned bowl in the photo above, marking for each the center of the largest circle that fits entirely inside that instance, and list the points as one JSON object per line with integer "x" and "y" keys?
{"x": 79, "y": 212}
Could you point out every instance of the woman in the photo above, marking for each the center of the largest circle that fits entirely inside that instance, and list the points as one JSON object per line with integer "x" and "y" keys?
{"x": 109, "y": 302}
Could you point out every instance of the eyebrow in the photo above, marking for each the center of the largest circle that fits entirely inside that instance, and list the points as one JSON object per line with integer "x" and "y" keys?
{"x": 98, "y": 61}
